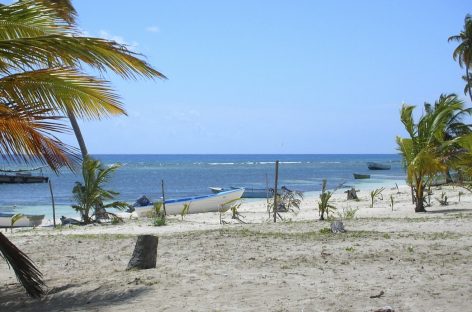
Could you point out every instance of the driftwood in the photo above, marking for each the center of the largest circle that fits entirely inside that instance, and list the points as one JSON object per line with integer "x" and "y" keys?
{"x": 145, "y": 253}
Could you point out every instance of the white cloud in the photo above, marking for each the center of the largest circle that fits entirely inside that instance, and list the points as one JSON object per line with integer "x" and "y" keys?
{"x": 119, "y": 39}
{"x": 153, "y": 29}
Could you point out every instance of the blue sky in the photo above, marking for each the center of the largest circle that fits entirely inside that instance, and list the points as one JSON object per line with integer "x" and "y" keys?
{"x": 273, "y": 76}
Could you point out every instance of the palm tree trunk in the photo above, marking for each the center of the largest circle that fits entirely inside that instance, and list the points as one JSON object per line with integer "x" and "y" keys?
{"x": 419, "y": 197}
{"x": 78, "y": 134}
{"x": 468, "y": 80}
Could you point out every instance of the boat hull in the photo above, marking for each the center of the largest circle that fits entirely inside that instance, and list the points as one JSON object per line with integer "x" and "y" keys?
{"x": 11, "y": 179}
{"x": 359, "y": 176}
{"x": 197, "y": 204}
{"x": 25, "y": 221}
{"x": 248, "y": 192}
{"x": 377, "y": 166}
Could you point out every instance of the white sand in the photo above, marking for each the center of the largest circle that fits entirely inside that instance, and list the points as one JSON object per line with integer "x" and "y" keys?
{"x": 420, "y": 261}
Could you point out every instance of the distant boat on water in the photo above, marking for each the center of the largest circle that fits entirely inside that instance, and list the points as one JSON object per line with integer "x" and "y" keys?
{"x": 25, "y": 221}
{"x": 248, "y": 192}
{"x": 22, "y": 176}
{"x": 378, "y": 166}
{"x": 197, "y": 204}
{"x": 358, "y": 176}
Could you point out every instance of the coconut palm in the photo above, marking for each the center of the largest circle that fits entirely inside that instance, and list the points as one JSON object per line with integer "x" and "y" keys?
{"x": 454, "y": 126}
{"x": 41, "y": 57}
{"x": 43, "y": 49}
{"x": 427, "y": 151}
{"x": 91, "y": 195}
{"x": 463, "y": 52}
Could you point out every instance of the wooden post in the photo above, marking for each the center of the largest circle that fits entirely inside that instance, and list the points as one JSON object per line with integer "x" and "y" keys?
{"x": 53, "y": 206}
{"x": 163, "y": 198}
{"x": 275, "y": 189}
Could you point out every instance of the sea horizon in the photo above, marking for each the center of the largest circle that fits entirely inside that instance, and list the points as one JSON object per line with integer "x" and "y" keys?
{"x": 193, "y": 174}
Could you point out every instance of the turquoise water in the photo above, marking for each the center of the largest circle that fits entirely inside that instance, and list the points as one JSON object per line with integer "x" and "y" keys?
{"x": 186, "y": 175}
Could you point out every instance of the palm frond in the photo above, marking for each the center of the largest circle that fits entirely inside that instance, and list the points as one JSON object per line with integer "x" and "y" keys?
{"x": 60, "y": 50}
{"x": 26, "y": 19}
{"x": 25, "y": 270}
{"x": 25, "y": 134}
{"x": 62, "y": 90}
{"x": 63, "y": 8}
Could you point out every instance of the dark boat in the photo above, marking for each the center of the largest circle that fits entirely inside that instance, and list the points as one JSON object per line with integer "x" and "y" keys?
{"x": 377, "y": 166}
{"x": 22, "y": 176}
{"x": 358, "y": 176}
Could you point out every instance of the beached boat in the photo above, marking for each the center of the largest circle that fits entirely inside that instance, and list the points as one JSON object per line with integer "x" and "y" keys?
{"x": 22, "y": 176}
{"x": 377, "y": 166}
{"x": 197, "y": 204}
{"x": 25, "y": 221}
{"x": 248, "y": 192}
{"x": 361, "y": 176}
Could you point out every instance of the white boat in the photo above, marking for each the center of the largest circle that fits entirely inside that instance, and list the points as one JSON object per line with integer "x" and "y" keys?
{"x": 248, "y": 192}
{"x": 25, "y": 221}
{"x": 197, "y": 204}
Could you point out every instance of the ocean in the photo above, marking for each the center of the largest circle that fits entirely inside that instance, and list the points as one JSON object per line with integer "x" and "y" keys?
{"x": 186, "y": 175}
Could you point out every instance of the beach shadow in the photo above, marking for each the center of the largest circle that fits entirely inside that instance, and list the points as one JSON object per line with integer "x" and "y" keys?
{"x": 65, "y": 298}
{"x": 452, "y": 210}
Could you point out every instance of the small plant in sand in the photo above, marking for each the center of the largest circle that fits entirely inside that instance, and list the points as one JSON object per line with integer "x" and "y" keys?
{"x": 90, "y": 196}
{"x": 15, "y": 219}
{"x": 347, "y": 213}
{"x": 460, "y": 194}
{"x": 325, "y": 231}
{"x": 185, "y": 210}
{"x": 392, "y": 201}
{"x": 159, "y": 218}
{"x": 377, "y": 193}
{"x": 443, "y": 200}
{"x": 234, "y": 208}
{"x": 287, "y": 201}
{"x": 235, "y": 215}
{"x": 323, "y": 204}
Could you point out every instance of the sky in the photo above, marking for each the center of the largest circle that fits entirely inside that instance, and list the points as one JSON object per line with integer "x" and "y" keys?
{"x": 275, "y": 77}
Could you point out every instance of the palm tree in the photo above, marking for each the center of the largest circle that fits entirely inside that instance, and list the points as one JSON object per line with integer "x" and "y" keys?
{"x": 90, "y": 196}
{"x": 41, "y": 54}
{"x": 40, "y": 43}
{"x": 427, "y": 151}
{"x": 463, "y": 52}
{"x": 454, "y": 126}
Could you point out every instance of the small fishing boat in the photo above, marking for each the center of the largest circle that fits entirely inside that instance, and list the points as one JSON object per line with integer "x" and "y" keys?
{"x": 22, "y": 176}
{"x": 358, "y": 176}
{"x": 197, "y": 204}
{"x": 377, "y": 166}
{"x": 248, "y": 192}
{"x": 26, "y": 220}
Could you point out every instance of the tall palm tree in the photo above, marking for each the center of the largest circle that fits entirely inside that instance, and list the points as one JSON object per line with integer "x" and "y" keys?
{"x": 41, "y": 54}
{"x": 38, "y": 34}
{"x": 425, "y": 152}
{"x": 463, "y": 52}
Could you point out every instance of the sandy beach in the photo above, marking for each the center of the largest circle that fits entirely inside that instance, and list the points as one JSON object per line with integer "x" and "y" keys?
{"x": 411, "y": 262}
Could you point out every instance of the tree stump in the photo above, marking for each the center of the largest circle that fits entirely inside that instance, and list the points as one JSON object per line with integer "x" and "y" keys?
{"x": 352, "y": 194}
{"x": 145, "y": 253}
